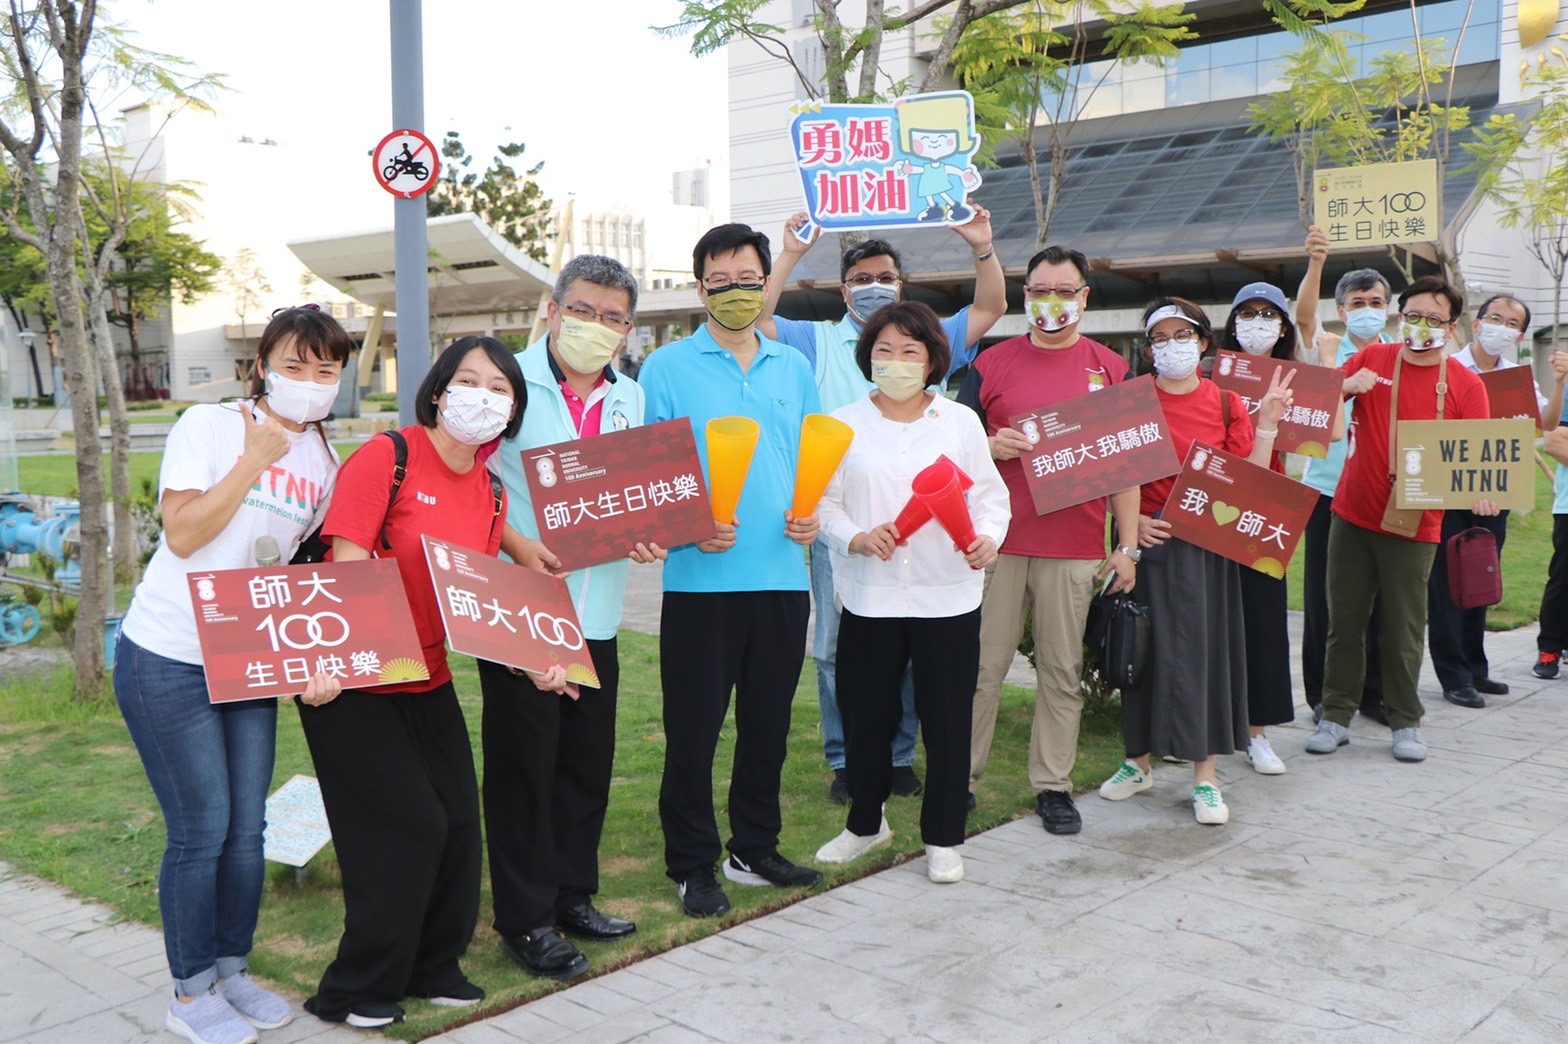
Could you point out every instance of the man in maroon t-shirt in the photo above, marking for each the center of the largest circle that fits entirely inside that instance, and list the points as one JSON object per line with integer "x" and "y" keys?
{"x": 1367, "y": 558}
{"x": 1049, "y": 563}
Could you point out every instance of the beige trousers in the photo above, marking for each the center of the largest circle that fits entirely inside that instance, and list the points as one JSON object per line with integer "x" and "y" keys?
{"x": 1059, "y": 591}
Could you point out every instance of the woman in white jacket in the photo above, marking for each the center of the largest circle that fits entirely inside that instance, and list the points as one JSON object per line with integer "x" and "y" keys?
{"x": 915, "y": 604}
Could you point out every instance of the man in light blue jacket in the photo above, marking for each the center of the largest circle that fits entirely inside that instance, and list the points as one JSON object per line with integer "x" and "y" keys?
{"x": 548, "y": 755}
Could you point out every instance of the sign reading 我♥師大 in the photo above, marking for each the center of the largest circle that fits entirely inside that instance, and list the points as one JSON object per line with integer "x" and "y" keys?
{"x": 1307, "y": 426}
{"x": 1453, "y": 464}
{"x": 265, "y": 632}
{"x": 595, "y": 499}
{"x": 1226, "y": 504}
{"x": 1093, "y": 445}
{"x": 904, "y": 164}
{"x": 502, "y": 612}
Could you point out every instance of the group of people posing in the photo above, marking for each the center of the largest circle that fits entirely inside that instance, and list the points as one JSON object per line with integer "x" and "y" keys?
{"x": 913, "y": 634}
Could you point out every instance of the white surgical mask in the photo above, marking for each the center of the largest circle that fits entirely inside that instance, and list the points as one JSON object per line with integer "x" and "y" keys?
{"x": 475, "y": 415}
{"x": 1257, "y": 336}
{"x": 898, "y": 380}
{"x": 1421, "y": 338}
{"x": 1176, "y": 361}
{"x": 863, "y": 300}
{"x": 1052, "y": 313}
{"x": 1366, "y": 322}
{"x": 299, "y": 401}
{"x": 586, "y": 347}
{"x": 1495, "y": 338}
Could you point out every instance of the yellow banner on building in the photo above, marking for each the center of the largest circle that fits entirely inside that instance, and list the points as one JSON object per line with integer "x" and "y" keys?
{"x": 1378, "y": 204}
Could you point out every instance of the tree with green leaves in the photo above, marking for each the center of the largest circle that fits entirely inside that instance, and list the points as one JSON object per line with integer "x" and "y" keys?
{"x": 1332, "y": 113}
{"x": 507, "y": 199}
{"x": 1524, "y": 170}
{"x": 1031, "y": 65}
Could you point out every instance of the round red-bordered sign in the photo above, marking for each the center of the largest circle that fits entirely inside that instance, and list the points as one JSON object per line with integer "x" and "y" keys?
{"x": 406, "y": 163}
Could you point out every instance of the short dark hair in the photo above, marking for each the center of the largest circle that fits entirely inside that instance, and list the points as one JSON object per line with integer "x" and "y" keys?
{"x": 870, "y": 248}
{"x": 445, "y": 366}
{"x": 1194, "y": 314}
{"x": 1490, "y": 301}
{"x": 312, "y": 330}
{"x": 919, "y": 322}
{"x": 722, "y": 239}
{"x": 1284, "y": 348}
{"x": 1439, "y": 287}
{"x": 1059, "y": 255}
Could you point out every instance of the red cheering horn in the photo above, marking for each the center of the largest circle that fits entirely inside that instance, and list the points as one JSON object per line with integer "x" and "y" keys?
{"x": 916, "y": 514}
{"x": 943, "y": 496}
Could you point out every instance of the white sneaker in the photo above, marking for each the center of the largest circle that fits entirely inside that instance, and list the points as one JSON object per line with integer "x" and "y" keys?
{"x": 848, "y": 846}
{"x": 209, "y": 1019}
{"x": 944, "y": 865}
{"x": 1264, "y": 760}
{"x": 1129, "y": 780}
{"x": 1207, "y": 805}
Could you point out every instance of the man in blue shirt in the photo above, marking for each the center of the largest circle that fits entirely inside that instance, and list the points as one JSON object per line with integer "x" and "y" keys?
{"x": 871, "y": 275}
{"x": 735, "y": 605}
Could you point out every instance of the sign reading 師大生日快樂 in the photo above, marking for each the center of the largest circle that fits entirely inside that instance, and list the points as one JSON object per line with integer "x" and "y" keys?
{"x": 1378, "y": 203}
{"x": 894, "y": 165}
{"x": 1454, "y": 463}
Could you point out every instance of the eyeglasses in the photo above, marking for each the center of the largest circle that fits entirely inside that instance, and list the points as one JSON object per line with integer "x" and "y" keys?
{"x": 719, "y": 284}
{"x": 1417, "y": 319}
{"x": 866, "y": 279}
{"x": 1248, "y": 314}
{"x": 614, "y": 320}
{"x": 294, "y": 308}
{"x": 1183, "y": 336}
{"x": 1047, "y": 291}
{"x": 1512, "y": 324}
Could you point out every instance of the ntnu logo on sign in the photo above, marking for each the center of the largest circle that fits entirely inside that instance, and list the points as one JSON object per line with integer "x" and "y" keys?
{"x": 425, "y": 498}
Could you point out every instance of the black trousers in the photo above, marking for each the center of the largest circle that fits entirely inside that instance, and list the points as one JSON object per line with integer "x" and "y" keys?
{"x": 1455, "y": 637}
{"x": 1314, "y": 630}
{"x": 1270, "y": 700}
{"x": 944, "y": 654}
{"x": 548, "y": 760}
{"x": 751, "y": 642}
{"x": 397, "y": 779}
{"x": 1553, "y": 637}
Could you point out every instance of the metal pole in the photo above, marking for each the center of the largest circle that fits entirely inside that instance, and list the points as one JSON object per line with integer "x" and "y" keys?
{"x": 410, "y": 248}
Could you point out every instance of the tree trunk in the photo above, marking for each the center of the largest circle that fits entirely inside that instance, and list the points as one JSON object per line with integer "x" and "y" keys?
{"x": 102, "y": 339}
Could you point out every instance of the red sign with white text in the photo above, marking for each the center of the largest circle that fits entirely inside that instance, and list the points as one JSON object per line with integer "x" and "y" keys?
{"x": 1307, "y": 426}
{"x": 1512, "y": 393}
{"x": 502, "y": 612}
{"x": 1095, "y": 444}
{"x": 596, "y": 498}
{"x": 267, "y": 631}
{"x": 1240, "y": 511}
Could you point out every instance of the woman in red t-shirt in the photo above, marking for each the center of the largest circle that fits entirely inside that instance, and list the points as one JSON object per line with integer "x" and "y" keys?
{"x": 1192, "y": 701}
{"x": 394, "y": 761}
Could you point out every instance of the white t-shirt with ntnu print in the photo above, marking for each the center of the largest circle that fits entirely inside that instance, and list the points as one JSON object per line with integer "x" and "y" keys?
{"x": 287, "y": 503}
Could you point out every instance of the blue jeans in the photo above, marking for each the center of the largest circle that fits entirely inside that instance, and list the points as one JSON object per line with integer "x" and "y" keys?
{"x": 209, "y": 766}
{"x": 824, "y": 649}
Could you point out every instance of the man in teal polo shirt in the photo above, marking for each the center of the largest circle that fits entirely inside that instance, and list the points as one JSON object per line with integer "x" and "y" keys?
{"x": 735, "y": 605}
{"x": 870, "y": 275}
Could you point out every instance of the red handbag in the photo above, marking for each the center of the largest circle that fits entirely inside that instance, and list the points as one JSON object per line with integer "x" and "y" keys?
{"x": 1475, "y": 575}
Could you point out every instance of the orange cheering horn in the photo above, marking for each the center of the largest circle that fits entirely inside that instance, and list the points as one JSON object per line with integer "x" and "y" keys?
{"x": 731, "y": 442}
{"x": 823, "y": 442}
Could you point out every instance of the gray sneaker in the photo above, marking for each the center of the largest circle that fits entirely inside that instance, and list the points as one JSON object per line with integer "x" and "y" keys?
{"x": 1328, "y": 738}
{"x": 1408, "y": 745}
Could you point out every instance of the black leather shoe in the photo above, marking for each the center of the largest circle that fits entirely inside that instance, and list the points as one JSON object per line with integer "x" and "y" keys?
{"x": 1490, "y": 687}
{"x": 905, "y": 782}
{"x": 1376, "y": 712}
{"x": 838, "y": 791}
{"x": 543, "y": 952}
{"x": 1465, "y": 696}
{"x": 1057, "y": 812}
{"x": 584, "y": 922}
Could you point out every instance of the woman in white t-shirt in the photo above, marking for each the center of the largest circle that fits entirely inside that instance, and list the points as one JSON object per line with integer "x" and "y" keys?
{"x": 915, "y": 604}
{"x": 232, "y": 473}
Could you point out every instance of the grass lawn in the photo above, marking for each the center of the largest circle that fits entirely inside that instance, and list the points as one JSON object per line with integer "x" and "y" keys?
{"x": 75, "y": 808}
{"x": 54, "y": 474}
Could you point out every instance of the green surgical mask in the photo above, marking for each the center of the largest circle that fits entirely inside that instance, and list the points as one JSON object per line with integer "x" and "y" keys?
{"x": 735, "y": 309}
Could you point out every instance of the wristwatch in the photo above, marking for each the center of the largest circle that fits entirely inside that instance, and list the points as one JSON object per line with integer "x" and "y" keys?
{"x": 1131, "y": 552}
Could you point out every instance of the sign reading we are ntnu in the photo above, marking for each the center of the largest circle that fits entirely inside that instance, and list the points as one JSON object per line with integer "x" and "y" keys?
{"x": 1453, "y": 464}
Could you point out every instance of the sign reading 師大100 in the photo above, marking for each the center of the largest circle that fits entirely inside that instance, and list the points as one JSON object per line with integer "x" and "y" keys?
{"x": 902, "y": 164}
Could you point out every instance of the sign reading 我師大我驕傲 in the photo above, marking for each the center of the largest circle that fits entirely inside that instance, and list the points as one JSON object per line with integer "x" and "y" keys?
{"x": 1455, "y": 463}
{"x": 1307, "y": 426}
{"x": 1378, "y": 204}
{"x": 903, "y": 164}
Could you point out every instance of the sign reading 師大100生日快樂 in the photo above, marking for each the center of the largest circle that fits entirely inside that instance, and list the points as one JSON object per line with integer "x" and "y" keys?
{"x": 904, "y": 164}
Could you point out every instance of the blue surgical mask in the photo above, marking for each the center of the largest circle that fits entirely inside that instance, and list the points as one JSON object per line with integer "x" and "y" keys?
{"x": 1366, "y": 322}
{"x": 863, "y": 300}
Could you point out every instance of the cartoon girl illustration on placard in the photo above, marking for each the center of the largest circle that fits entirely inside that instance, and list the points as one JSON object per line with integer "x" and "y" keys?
{"x": 937, "y": 131}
